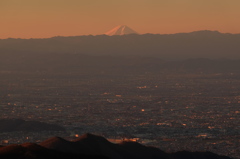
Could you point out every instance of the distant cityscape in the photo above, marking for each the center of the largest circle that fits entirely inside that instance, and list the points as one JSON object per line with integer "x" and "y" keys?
{"x": 170, "y": 110}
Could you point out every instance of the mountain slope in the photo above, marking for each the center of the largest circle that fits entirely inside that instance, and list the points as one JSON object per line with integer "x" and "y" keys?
{"x": 89, "y": 144}
{"x": 33, "y": 151}
{"x": 121, "y": 30}
{"x": 202, "y": 44}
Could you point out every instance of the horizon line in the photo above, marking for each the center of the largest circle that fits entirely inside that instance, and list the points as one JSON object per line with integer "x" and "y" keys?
{"x": 103, "y": 34}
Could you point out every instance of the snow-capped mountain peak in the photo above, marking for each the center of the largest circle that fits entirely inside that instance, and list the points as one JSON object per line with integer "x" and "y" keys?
{"x": 121, "y": 30}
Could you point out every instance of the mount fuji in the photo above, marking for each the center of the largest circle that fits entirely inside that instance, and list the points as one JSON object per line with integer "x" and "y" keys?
{"x": 121, "y": 30}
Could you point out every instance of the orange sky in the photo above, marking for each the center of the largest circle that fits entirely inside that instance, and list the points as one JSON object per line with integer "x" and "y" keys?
{"x": 47, "y": 18}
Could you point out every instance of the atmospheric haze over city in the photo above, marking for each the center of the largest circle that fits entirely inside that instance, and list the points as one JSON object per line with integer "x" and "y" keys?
{"x": 135, "y": 79}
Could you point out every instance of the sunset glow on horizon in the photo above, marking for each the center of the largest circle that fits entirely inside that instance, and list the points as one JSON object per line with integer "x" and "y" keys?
{"x": 48, "y": 18}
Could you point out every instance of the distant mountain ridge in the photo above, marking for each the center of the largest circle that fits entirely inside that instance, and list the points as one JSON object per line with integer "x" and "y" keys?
{"x": 92, "y": 146}
{"x": 199, "y": 44}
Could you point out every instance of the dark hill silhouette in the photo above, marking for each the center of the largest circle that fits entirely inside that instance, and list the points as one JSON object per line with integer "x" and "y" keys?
{"x": 91, "y": 138}
{"x": 98, "y": 145}
{"x": 199, "y": 44}
{"x": 55, "y": 142}
{"x": 33, "y": 151}
{"x": 89, "y": 144}
{"x": 195, "y": 155}
{"x": 60, "y": 144}
{"x": 143, "y": 151}
{"x": 86, "y": 144}
{"x": 8, "y": 125}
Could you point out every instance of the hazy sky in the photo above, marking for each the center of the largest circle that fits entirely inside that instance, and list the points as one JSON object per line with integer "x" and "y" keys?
{"x": 47, "y": 18}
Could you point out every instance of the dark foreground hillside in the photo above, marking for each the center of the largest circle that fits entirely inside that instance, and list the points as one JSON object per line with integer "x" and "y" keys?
{"x": 89, "y": 146}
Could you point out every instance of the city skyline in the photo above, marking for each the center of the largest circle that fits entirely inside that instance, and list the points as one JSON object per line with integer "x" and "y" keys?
{"x": 43, "y": 19}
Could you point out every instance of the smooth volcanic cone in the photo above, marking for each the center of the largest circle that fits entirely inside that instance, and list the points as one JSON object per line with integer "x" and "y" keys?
{"x": 121, "y": 30}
